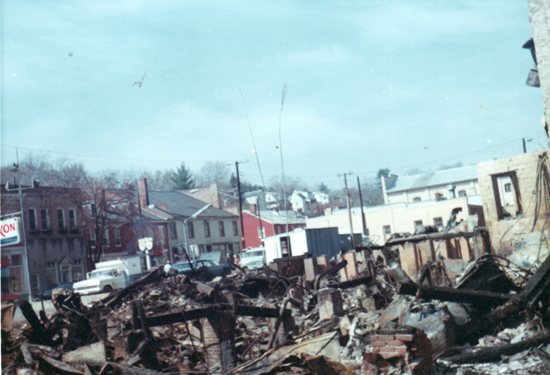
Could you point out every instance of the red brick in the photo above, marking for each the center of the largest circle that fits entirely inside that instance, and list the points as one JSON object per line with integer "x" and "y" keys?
{"x": 401, "y": 349}
{"x": 376, "y": 350}
{"x": 374, "y": 338}
{"x": 395, "y": 343}
{"x": 386, "y": 337}
{"x": 389, "y": 355}
{"x": 387, "y": 349}
{"x": 404, "y": 337}
{"x": 378, "y": 343}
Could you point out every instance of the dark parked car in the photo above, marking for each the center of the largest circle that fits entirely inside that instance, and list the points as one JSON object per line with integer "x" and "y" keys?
{"x": 9, "y": 298}
{"x": 47, "y": 293}
{"x": 206, "y": 269}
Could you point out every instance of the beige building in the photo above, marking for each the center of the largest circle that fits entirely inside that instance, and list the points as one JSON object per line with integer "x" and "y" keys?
{"x": 383, "y": 221}
{"x": 512, "y": 199}
{"x": 440, "y": 185}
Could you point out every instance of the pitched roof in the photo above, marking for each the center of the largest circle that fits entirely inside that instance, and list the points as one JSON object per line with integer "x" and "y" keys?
{"x": 279, "y": 217}
{"x": 178, "y": 204}
{"x": 444, "y": 177}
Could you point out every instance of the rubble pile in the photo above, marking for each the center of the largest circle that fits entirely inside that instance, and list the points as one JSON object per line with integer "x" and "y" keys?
{"x": 367, "y": 319}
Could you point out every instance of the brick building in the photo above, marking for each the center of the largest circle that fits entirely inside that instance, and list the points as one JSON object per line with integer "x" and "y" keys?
{"x": 55, "y": 244}
{"x": 259, "y": 224}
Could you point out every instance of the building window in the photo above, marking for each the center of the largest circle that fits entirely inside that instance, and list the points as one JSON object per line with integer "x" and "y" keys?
{"x": 106, "y": 237}
{"x": 235, "y": 228}
{"x": 173, "y": 231}
{"x": 417, "y": 224}
{"x": 77, "y": 262}
{"x": 387, "y": 230}
{"x": 462, "y": 193}
{"x": 93, "y": 240}
{"x": 72, "y": 219}
{"x": 190, "y": 230}
{"x": 206, "y": 229}
{"x": 417, "y": 199}
{"x": 507, "y": 195}
{"x": 438, "y": 222}
{"x": 50, "y": 265}
{"x": 61, "y": 220}
{"x": 35, "y": 286}
{"x": 261, "y": 232}
{"x": 33, "y": 225}
{"x": 208, "y": 248}
{"x": 44, "y": 220}
{"x": 118, "y": 242}
{"x": 16, "y": 260}
{"x": 222, "y": 229}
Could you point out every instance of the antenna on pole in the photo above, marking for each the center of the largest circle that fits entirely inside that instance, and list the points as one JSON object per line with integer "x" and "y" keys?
{"x": 283, "y": 94}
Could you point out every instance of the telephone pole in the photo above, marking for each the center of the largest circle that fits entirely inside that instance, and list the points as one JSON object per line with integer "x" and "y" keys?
{"x": 349, "y": 210}
{"x": 363, "y": 219}
{"x": 243, "y": 245}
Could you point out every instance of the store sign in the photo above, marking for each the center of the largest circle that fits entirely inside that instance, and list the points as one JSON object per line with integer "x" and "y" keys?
{"x": 9, "y": 231}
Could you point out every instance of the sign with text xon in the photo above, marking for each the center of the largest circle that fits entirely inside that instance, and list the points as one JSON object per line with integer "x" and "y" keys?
{"x": 10, "y": 231}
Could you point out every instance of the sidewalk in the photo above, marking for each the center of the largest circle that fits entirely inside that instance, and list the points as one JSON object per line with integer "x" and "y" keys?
{"x": 48, "y": 305}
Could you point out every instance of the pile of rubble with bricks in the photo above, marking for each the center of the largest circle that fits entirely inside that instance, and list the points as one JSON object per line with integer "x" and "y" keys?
{"x": 357, "y": 314}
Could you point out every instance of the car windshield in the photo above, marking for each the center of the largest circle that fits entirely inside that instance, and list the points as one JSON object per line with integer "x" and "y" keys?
{"x": 182, "y": 266}
{"x": 101, "y": 273}
{"x": 257, "y": 253}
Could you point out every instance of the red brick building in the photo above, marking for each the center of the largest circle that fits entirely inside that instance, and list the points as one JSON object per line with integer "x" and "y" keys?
{"x": 263, "y": 223}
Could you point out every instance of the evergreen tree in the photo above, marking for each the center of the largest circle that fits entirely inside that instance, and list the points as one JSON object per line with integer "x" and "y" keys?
{"x": 323, "y": 188}
{"x": 182, "y": 178}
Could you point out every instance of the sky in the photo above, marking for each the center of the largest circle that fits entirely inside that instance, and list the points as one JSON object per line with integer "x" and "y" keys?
{"x": 404, "y": 85}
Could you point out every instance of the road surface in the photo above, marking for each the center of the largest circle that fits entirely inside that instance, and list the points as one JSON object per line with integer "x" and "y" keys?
{"x": 48, "y": 305}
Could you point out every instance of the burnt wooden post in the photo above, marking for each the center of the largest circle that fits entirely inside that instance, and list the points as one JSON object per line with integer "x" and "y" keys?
{"x": 218, "y": 336}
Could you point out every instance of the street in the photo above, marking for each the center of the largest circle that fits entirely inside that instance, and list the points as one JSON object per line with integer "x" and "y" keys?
{"x": 48, "y": 307}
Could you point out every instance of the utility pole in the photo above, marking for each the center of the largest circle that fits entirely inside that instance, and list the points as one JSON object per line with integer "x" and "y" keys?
{"x": 349, "y": 210}
{"x": 243, "y": 245}
{"x": 524, "y": 146}
{"x": 363, "y": 219}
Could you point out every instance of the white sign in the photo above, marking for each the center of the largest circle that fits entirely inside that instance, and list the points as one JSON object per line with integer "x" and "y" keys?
{"x": 10, "y": 231}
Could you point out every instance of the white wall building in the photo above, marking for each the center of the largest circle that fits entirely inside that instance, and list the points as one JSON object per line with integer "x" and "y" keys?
{"x": 382, "y": 221}
{"x": 440, "y": 185}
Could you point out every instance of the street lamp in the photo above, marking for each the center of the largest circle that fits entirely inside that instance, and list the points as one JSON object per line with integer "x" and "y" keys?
{"x": 146, "y": 245}
{"x": 192, "y": 217}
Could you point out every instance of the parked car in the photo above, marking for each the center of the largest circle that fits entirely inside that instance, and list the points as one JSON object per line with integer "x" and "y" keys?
{"x": 253, "y": 258}
{"x": 10, "y": 298}
{"x": 47, "y": 293}
{"x": 206, "y": 269}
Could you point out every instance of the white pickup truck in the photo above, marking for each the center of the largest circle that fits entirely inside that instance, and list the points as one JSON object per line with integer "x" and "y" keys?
{"x": 107, "y": 276}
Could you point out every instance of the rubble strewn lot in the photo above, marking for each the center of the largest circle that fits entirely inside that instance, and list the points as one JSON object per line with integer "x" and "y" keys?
{"x": 491, "y": 319}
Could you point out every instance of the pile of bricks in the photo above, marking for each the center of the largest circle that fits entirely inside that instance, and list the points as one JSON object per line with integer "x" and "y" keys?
{"x": 412, "y": 345}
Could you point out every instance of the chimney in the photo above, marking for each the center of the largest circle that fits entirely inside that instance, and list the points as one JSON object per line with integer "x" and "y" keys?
{"x": 252, "y": 208}
{"x": 143, "y": 194}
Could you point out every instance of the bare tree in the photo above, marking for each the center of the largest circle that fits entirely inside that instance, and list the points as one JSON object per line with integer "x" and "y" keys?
{"x": 214, "y": 172}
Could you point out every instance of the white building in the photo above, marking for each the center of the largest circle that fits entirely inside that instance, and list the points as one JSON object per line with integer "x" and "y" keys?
{"x": 440, "y": 185}
{"x": 301, "y": 200}
{"x": 383, "y": 221}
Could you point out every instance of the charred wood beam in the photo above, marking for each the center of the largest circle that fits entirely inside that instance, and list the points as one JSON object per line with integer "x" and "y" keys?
{"x": 115, "y": 297}
{"x": 443, "y": 293}
{"x": 434, "y": 237}
{"x": 40, "y": 334}
{"x": 494, "y": 353}
{"x": 355, "y": 282}
{"x": 331, "y": 271}
{"x": 207, "y": 312}
{"x": 537, "y": 286}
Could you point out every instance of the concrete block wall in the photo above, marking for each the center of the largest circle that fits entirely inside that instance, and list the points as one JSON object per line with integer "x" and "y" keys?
{"x": 505, "y": 234}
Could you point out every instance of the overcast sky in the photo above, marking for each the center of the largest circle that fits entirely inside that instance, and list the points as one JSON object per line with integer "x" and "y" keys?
{"x": 369, "y": 84}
